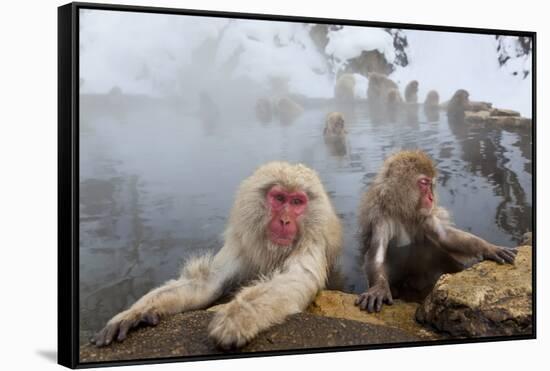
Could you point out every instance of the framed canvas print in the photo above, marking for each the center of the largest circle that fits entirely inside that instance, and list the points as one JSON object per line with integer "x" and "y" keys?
{"x": 236, "y": 185}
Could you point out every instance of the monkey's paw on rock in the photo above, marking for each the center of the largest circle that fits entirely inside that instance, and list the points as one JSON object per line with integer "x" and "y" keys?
{"x": 485, "y": 300}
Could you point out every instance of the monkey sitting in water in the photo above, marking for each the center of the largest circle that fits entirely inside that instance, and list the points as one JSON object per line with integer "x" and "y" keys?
{"x": 431, "y": 106}
{"x": 282, "y": 238}
{"x": 407, "y": 240}
{"x": 335, "y": 125}
{"x": 411, "y": 92}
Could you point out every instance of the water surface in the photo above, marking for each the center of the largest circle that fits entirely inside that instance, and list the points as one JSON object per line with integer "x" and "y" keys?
{"x": 157, "y": 180}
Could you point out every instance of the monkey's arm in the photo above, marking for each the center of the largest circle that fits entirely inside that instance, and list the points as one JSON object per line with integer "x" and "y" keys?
{"x": 269, "y": 301}
{"x": 378, "y": 291}
{"x": 461, "y": 243}
{"x": 202, "y": 281}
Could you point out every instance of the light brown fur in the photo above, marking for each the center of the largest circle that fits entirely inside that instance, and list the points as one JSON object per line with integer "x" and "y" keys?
{"x": 378, "y": 88}
{"x": 459, "y": 103}
{"x": 391, "y": 216}
{"x": 288, "y": 110}
{"x": 274, "y": 281}
{"x": 344, "y": 89}
{"x": 432, "y": 99}
{"x": 411, "y": 92}
{"x": 335, "y": 125}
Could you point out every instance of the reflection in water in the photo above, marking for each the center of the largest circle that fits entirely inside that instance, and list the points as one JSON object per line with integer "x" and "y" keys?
{"x": 156, "y": 184}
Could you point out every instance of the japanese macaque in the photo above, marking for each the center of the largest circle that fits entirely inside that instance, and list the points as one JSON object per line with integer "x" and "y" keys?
{"x": 431, "y": 106}
{"x": 394, "y": 104}
{"x": 264, "y": 111}
{"x": 282, "y": 238}
{"x": 344, "y": 90}
{"x": 432, "y": 99}
{"x": 377, "y": 95}
{"x": 459, "y": 103}
{"x": 400, "y": 210}
{"x": 411, "y": 92}
{"x": 335, "y": 125}
{"x": 288, "y": 110}
{"x": 379, "y": 87}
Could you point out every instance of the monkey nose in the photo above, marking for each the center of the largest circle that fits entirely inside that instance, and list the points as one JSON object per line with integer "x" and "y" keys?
{"x": 284, "y": 221}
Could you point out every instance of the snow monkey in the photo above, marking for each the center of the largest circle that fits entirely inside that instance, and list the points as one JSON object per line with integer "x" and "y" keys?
{"x": 282, "y": 238}
{"x": 411, "y": 92}
{"x": 431, "y": 106}
{"x": 399, "y": 210}
{"x": 378, "y": 88}
{"x": 344, "y": 90}
{"x": 459, "y": 103}
{"x": 432, "y": 99}
{"x": 335, "y": 125}
{"x": 288, "y": 110}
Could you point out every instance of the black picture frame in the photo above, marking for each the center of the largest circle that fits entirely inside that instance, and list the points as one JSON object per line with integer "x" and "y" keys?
{"x": 68, "y": 177}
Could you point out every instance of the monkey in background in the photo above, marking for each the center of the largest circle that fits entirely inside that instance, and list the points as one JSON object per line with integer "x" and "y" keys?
{"x": 411, "y": 92}
{"x": 377, "y": 95}
{"x": 394, "y": 105}
{"x": 431, "y": 106}
{"x": 288, "y": 110}
{"x": 334, "y": 134}
{"x": 378, "y": 88}
{"x": 282, "y": 238}
{"x": 400, "y": 211}
{"x": 432, "y": 99}
{"x": 344, "y": 90}
{"x": 459, "y": 103}
{"x": 335, "y": 125}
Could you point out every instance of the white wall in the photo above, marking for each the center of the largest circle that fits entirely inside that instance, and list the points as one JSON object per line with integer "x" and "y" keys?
{"x": 28, "y": 186}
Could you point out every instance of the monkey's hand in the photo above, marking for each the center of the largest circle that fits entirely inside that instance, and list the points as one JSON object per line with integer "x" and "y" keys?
{"x": 234, "y": 325}
{"x": 500, "y": 254}
{"x": 374, "y": 297}
{"x": 118, "y": 326}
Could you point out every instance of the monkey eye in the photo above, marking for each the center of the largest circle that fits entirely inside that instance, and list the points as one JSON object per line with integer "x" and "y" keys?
{"x": 280, "y": 198}
{"x": 296, "y": 201}
{"x": 425, "y": 181}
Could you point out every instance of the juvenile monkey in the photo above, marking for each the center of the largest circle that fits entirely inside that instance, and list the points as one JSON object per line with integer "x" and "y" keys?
{"x": 344, "y": 90}
{"x": 288, "y": 110}
{"x": 282, "y": 238}
{"x": 378, "y": 88}
{"x": 400, "y": 209}
{"x": 459, "y": 103}
{"x": 411, "y": 92}
{"x": 431, "y": 106}
{"x": 432, "y": 99}
{"x": 335, "y": 125}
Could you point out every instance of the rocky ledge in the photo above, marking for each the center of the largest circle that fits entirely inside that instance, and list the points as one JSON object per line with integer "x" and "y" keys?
{"x": 186, "y": 334}
{"x": 485, "y": 300}
{"x": 503, "y": 118}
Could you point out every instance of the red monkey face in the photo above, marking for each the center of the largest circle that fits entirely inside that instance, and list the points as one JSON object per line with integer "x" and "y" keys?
{"x": 285, "y": 209}
{"x": 426, "y": 202}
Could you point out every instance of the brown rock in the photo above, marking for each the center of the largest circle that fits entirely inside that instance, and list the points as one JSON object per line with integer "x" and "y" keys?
{"x": 509, "y": 121}
{"x": 479, "y": 106}
{"x": 400, "y": 315}
{"x": 504, "y": 112}
{"x": 479, "y": 117}
{"x": 485, "y": 300}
